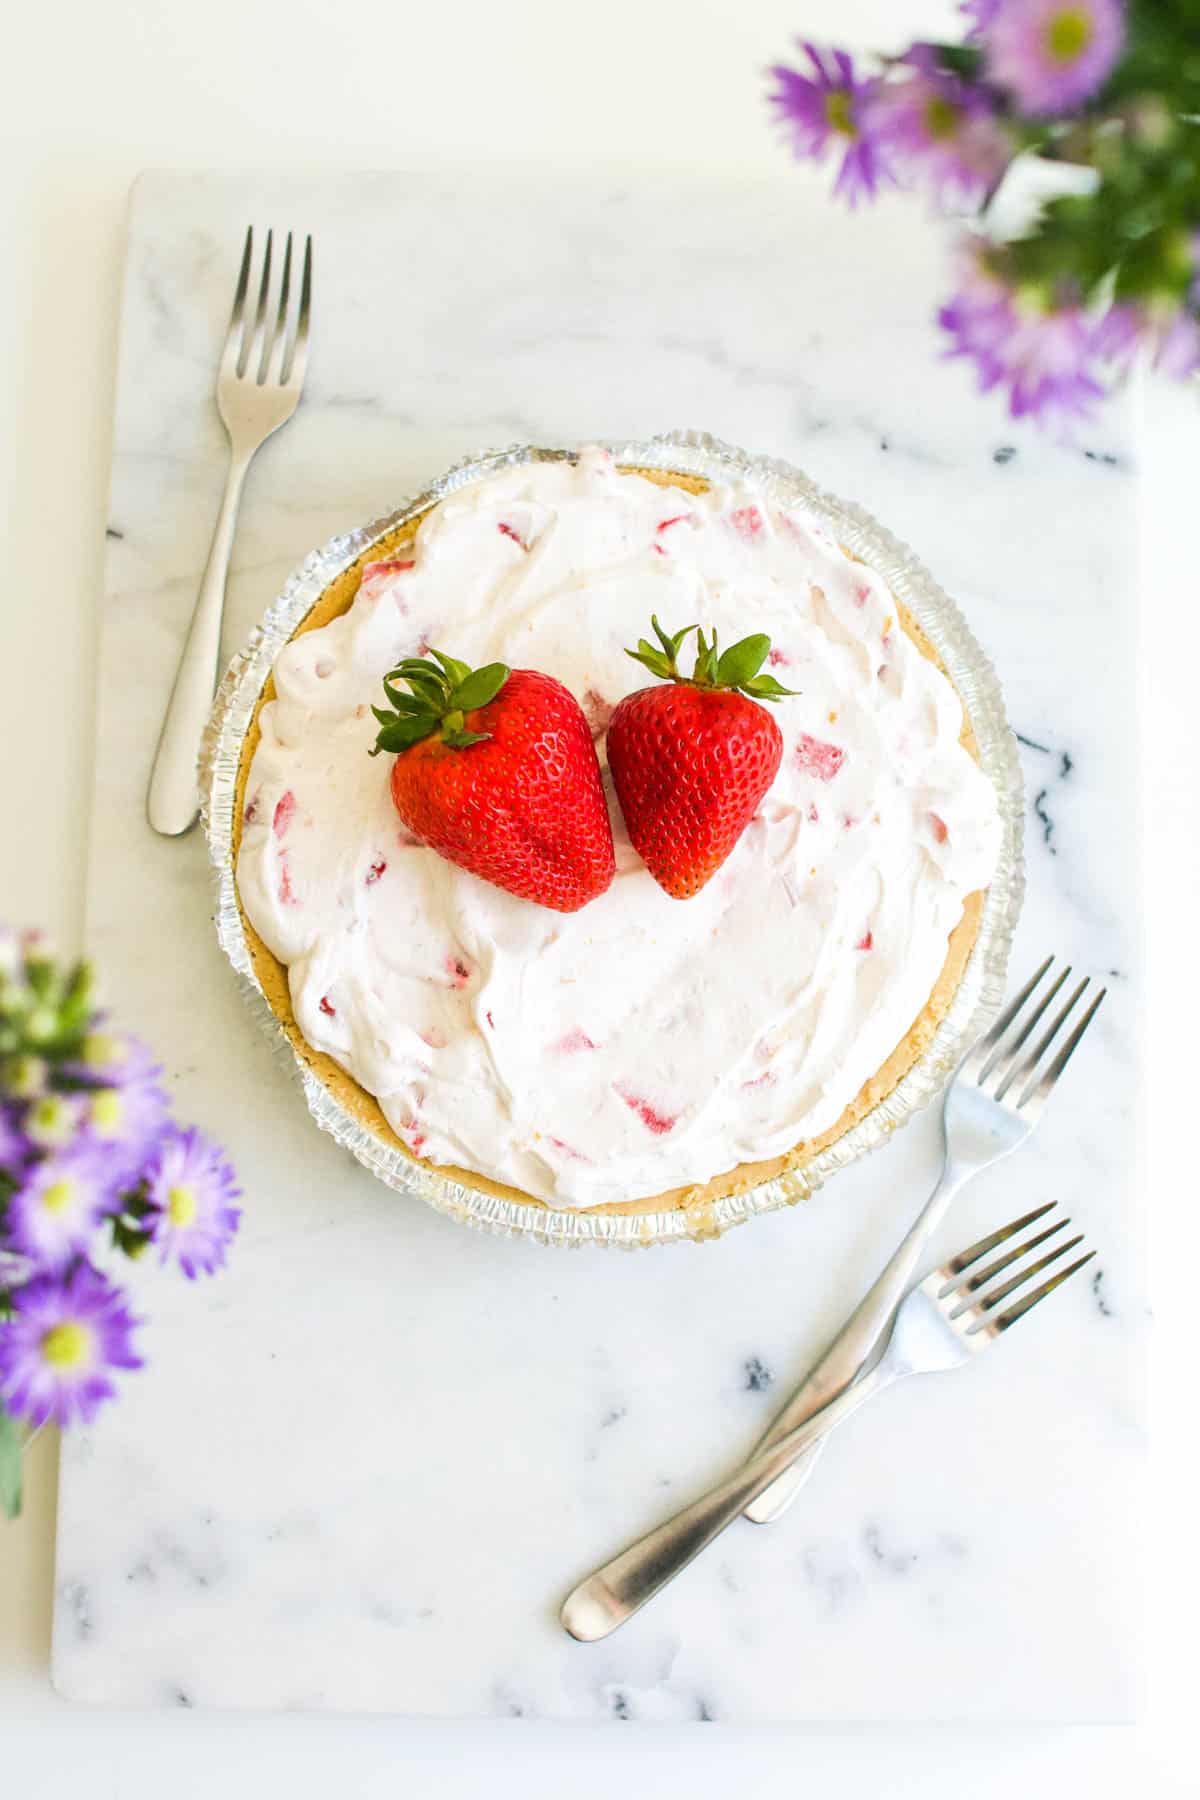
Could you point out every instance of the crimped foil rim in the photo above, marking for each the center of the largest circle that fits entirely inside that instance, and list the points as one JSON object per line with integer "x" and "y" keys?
{"x": 978, "y": 995}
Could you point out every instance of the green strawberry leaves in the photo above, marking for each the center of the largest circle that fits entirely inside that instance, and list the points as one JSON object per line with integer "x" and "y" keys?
{"x": 440, "y": 694}
{"x": 738, "y": 667}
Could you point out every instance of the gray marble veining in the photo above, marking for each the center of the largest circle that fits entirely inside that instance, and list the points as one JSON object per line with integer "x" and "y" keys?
{"x": 363, "y": 1467}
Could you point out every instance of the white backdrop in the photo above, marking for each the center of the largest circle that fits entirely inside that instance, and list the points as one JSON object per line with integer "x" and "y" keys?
{"x": 97, "y": 92}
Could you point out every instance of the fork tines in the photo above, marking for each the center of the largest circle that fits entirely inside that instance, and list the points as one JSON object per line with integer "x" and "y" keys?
{"x": 270, "y": 345}
{"x": 996, "y": 1065}
{"x": 973, "y": 1300}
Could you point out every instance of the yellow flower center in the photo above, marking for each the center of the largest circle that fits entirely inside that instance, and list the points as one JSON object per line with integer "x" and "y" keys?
{"x": 50, "y": 1120}
{"x": 107, "y": 1111}
{"x": 181, "y": 1205}
{"x": 67, "y": 1346}
{"x": 941, "y": 117}
{"x": 839, "y": 110}
{"x": 1068, "y": 34}
{"x": 58, "y": 1196}
{"x": 100, "y": 1050}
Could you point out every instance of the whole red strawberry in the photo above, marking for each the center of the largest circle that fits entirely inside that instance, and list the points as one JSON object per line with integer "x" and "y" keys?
{"x": 495, "y": 770}
{"x": 692, "y": 761}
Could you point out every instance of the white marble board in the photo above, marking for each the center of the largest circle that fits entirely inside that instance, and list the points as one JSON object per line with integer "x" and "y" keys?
{"x": 361, "y": 1469}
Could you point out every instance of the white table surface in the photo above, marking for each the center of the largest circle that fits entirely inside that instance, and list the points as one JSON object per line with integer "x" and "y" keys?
{"x": 108, "y": 90}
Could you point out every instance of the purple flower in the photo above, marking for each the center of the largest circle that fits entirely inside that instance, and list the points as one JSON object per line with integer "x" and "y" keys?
{"x": 52, "y": 1215}
{"x": 58, "y": 1349}
{"x": 830, "y": 106}
{"x": 1053, "y": 54}
{"x": 192, "y": 1188}
{"x": 980, "y": 13}
{"x": 126, "y": 1122}
{"x": 1043, "y": 353}
{"x": 114, "y": 1059}
{"x": 943, "y": 127}
{"x": 53, "y": 1120}
{"x": 1170, "y": 335}
{"x": 15, "y": 1148}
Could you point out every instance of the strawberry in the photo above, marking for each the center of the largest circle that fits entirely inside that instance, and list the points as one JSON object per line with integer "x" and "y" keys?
{"x": 692, "y": 761}
{"x": 495, "y": 769}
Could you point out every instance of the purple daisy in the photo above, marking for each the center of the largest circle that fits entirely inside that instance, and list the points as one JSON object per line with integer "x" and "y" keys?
{"x": 941, "y": 126}
{"x": 57, "y": 1351}
{"x": 1171, "y": 336}
{"x": 830, "y": 106}
{"x": 1053, "y": 54}
{"x": 52, "y": 1215}
{"x": 191, "y": 1188}
{"x": 126, "y": 1122}
{"x": 1044, "y": 354}
{"x": 53, "y": 1120}
{"x": 114, "y": 1059}
{"x": 15, "y": 1148}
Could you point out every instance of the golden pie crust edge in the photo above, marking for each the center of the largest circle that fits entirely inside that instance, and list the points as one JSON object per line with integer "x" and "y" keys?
{"x": 272, "y": 974}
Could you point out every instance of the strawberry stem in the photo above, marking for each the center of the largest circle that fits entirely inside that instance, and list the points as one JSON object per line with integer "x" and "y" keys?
{"x": 736, "y": 668}
{"x": 441, "y": 694}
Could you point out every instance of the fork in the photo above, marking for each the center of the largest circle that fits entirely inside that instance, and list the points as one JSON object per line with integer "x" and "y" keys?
{"x": 941, "y": 1324}
{"x": 994, "y": 1102}
{"x": 259, "y": 379}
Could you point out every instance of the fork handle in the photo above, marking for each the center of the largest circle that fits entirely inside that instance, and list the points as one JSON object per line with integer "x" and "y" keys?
{"x": 616, "y": 1590}
{"x": 173, "y": 802}
{"x": 850, "y": 1349}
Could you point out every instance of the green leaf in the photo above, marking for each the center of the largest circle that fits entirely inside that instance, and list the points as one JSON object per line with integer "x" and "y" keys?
{"x": 652, "y": 660}
{"x": 10, "y": 1466}
{"x": 667, "y": 642}
{"x": 742, "y": 661}
{"x": 403, "y": 703}
{"x": 404, "y": 733}
{"x": 481, "y": 686}
{"x": 424, "y": 679}
{"x": 456, "y": 671}
{"x": 765, "y": 687}
{"x": 462, "y": 740}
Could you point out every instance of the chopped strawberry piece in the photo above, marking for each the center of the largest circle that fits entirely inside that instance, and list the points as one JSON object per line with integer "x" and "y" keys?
{"x": 251, "y": 812}
{"x": 747, "y": 521}
{"x": 458, "y": 971}
{"x": 285, "y": 806}
{"x": 286, "y": 892}
{"x": 657, "y": 1122}
{"x": 777, "y": 658}
{"x": 575, "y": 1040}
{"x": 388, "y": 565}
{"x": 848, "y": 821}
{"x": 597, "y": 711}
{"x": 375, "y": 871}
{"x": 866, "y": 942}
{"x": 862, "y": 595}
{"x": 940, "y": 829}
{"x": 658, "y": 550}
{"x": 490, "y": 1020}
{"x": 816, "y": 758}
{"x": 414, "y": 1139}
{"x": 510, "y": 531}
{"x": 675, "y": 519}
{"x": 814, "y": 817}
{"x": 327, "y": 1007}
{"x": 567, "y": 1149}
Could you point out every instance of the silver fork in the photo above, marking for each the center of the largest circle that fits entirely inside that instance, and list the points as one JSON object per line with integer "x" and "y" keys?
{"x": 992, "y": 1105}
{"x": 940, "y": 1325}
{"x": 259, "y": 379}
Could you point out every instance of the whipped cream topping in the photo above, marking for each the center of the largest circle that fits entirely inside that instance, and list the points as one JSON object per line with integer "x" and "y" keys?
{"x": 642, "y": 1043}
